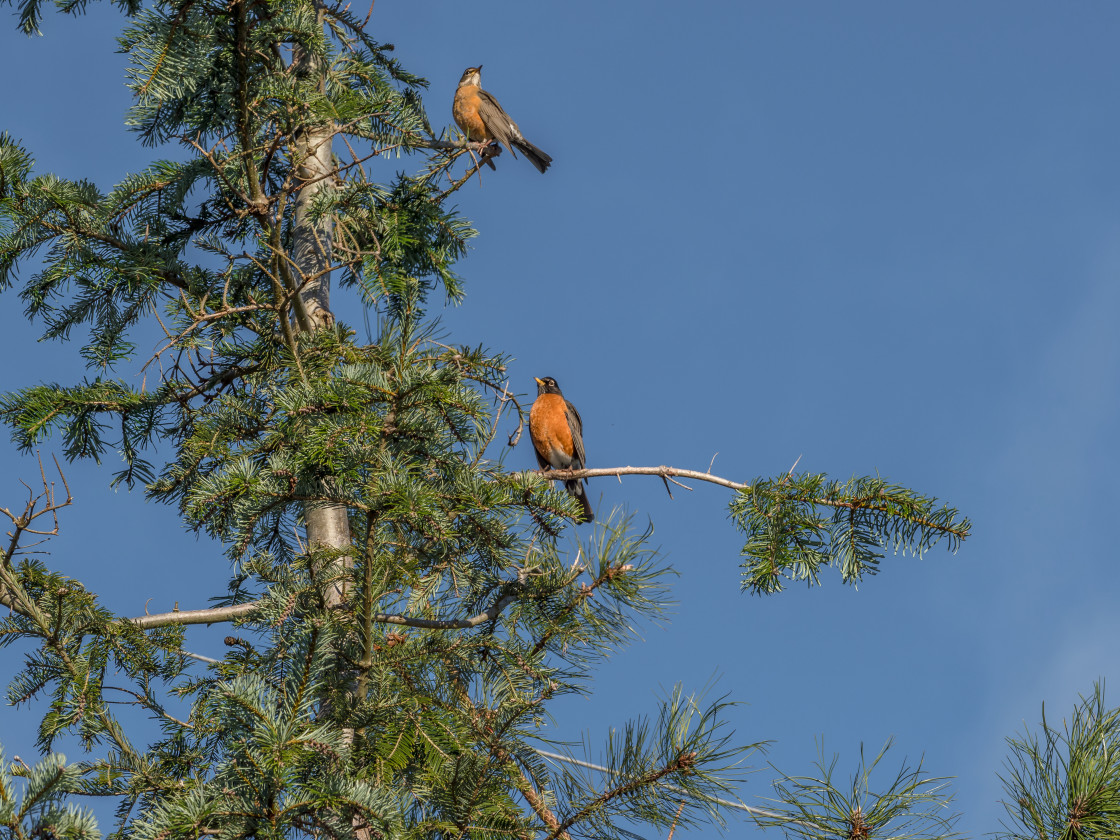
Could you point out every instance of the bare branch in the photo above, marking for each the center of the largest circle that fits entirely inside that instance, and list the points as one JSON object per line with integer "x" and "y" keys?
{"x": 214, "y": 615}
{"x": 218, "y": 615}
{"x": 11, "y": 594}
{"x": 448, "y": 145}
{"x": 666, "y": 473}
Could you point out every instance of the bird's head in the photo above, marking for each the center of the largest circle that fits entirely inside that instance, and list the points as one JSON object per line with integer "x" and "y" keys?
{"x": 471, "y": 76}
{"x": 547, "y": 385}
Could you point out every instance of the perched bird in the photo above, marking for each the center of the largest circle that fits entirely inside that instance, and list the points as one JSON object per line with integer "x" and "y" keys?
{"x": 482, "y": 119}
{"x": 557, "y": 433}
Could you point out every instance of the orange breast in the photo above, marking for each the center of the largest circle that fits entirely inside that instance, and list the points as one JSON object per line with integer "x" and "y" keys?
{"x": 548, "y": 426}
{"x": 465, "y": 111}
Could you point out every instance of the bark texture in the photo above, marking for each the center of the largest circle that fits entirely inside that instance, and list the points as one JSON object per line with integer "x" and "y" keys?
{"x": 311, "y": 256}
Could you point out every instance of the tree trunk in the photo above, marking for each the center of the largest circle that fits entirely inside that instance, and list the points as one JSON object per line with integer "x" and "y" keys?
{"x": 327, "y": 524}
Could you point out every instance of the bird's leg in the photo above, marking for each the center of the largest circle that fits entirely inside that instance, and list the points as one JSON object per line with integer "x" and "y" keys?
{"x": 485, "y": 150}
{"x": 488, "y": 151}
{"x": 476, "y": 160}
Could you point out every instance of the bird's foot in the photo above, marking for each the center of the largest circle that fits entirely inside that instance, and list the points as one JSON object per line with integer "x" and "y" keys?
{"x": 487, "y": 152}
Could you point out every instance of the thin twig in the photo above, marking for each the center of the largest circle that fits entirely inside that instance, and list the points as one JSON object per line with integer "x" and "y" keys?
{"x": 676, "y": 819}
{"x": 727, "y": 803}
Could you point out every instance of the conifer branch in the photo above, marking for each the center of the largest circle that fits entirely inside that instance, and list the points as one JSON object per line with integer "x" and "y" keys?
{"x": 726, "y": 803}
{"x": 587, "y": 590}
{"x": 47, "y": 623}
{"x": 789, "y": 537}
{"x": 912, "y": 804}
{"x": 876, "y": 501}
{"x": 678, "y": 765}
{"x": 540, "y": 807}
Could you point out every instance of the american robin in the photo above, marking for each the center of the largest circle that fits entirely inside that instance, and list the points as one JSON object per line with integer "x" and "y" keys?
{"x": 482, "y": 119}
{"x": 557, "y": 433}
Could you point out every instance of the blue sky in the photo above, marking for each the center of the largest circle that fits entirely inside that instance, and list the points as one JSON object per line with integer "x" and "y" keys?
{"x": 873, "y": 236}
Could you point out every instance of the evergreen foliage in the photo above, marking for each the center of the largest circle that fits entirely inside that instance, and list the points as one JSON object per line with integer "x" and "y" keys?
{"x": 42, "y": 810}
{"x": 914, "y": 806}
{"x": 1065, "y": 782}
{"x": 393, "y": 684}
{"x": 790, "y": 537}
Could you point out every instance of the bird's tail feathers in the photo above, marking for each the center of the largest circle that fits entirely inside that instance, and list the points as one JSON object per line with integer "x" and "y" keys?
{"x": 536, "y": 157}
{"x": 576, "y": 488}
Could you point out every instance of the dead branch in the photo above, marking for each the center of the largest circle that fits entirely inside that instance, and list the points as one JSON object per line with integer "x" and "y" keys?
{"x": 218, "y": 615}
{"x": 10, "y": 594}
{"x": 666, "y": 473}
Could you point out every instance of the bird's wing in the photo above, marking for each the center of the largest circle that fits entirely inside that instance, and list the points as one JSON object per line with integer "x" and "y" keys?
{"x": 497, "y": 121}
{"x": 576, "y": 426}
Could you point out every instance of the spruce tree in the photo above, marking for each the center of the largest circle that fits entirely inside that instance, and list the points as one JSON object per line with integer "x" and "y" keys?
{"x": 402, "y": 607}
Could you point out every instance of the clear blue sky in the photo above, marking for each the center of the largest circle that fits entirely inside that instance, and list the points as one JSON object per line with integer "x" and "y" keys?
{"x": 877, "y": 236}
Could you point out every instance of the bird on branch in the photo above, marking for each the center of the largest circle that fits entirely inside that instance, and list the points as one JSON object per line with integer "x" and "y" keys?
{"x": 483, "y": 120}
{"x": 557, "y": 432}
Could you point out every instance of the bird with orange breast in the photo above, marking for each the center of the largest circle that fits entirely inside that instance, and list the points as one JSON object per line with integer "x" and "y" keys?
{"x": 557, "y": 432}
{"x": 483, "y": 120}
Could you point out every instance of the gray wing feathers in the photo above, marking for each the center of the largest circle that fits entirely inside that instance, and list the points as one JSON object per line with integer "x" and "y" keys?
{"x": 576, "y": 425}
{"x": 506, "y": 132}
{"x": 579, "y": 459}
{"x": 504, "y": 129}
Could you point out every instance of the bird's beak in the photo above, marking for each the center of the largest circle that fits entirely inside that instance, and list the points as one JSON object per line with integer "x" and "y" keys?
{"x": 479, "y": 68}
{"x": 538, "y": 381}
